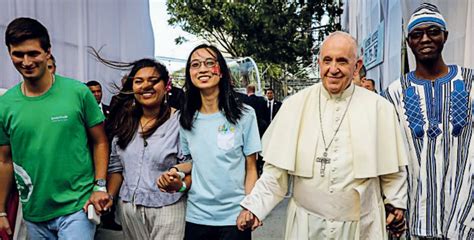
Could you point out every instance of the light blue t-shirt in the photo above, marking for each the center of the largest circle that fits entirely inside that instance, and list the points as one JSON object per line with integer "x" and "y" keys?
{"x": 218, "y": 149}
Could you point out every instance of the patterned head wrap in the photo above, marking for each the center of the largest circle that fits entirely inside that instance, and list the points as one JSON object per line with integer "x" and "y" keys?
{"x": 426, "y": 13}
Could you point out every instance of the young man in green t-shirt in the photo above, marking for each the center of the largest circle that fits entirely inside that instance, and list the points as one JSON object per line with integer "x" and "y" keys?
{"x": 46, "y": 123}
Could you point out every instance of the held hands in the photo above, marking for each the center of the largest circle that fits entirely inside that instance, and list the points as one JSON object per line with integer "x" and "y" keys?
{"x": 395, "y": 220}
{"x": 169, "y": 181}
{"x": 247, "y": 219}
{"x": 5, "y": 225}
{"x": 101, "y": 201}
{"x": 110, "y": 202}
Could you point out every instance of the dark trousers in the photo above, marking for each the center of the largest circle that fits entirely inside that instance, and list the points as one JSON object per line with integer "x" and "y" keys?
{"x": 203, "y": 232}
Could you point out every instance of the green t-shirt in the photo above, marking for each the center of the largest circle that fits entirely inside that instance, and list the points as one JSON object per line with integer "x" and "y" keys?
{"x": 54, "y": 170}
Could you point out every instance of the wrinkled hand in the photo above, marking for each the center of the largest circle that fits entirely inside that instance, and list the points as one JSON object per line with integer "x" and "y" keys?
{"x": 169, "y": 182}
{"x": 247, "y": 219}
{"x": 395, "y": 220}
{"x": 5, "y": 225}
{"x": 100, "y": 200}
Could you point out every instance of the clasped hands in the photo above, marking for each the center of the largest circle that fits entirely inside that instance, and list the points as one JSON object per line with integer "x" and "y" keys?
{"x": 169, "y": 181}
{"x": 102, "y": 202}
{"x": 247, "y": 219}
{"x": 396, "y": 224}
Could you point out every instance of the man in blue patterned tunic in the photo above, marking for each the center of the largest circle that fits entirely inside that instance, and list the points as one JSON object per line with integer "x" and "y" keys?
{"x": 434, "y": 105}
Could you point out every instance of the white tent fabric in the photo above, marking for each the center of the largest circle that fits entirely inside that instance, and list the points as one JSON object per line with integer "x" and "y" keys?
{"x": 361, "y": 17}
{"x": 122, "y": 28}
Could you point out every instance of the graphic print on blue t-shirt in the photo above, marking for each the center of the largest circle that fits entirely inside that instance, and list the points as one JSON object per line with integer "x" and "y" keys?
{"x": 225, "y": 136}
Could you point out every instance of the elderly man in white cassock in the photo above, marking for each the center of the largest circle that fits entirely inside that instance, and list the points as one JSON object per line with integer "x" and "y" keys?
{"x": 343, "y": 146}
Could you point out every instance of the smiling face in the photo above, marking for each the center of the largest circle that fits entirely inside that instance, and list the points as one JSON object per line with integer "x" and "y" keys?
{"x": 338, "y": 62}
{"x": 204, "y": 70}
{"x": 427, "y": 42}
{"x": 148, "y": 87}
{"x": 30, "y": 59}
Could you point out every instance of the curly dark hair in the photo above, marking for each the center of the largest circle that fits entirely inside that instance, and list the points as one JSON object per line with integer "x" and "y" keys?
{"x": 125, "y": 113}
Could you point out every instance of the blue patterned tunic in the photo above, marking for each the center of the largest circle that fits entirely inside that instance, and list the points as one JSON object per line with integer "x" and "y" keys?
{"x": 436, "y": 117}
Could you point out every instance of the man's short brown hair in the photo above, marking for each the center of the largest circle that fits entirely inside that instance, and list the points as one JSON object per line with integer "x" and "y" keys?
{"x": 22, "y": 29}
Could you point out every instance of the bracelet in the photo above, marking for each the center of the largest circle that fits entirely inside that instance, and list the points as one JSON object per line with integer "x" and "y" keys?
{"x": 177, "y": 170}
{"x": 99, "y": 189}
{"x": 183, "y": 187}
{"x": 181, "y": 175}
{"x": 4, "y": 214}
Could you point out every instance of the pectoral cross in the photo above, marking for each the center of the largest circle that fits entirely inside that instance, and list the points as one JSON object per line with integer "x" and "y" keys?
{"x": 323, "y": 160}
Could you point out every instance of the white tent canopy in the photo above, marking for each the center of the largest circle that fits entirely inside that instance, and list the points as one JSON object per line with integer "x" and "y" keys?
{"x": 121, "y": 27}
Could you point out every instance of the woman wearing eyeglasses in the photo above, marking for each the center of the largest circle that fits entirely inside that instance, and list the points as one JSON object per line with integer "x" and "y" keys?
{"x": 145, "y": 133}
{"x": 220, "y": 134}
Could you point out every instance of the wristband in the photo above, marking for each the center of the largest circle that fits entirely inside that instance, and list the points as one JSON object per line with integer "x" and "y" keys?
{"x": 99, "y": 189}
{"x": 181, "y": 175}
{"x": 177, "y": 170}
{"x": 4, "y": 214}
{"x": 183, "y": 187}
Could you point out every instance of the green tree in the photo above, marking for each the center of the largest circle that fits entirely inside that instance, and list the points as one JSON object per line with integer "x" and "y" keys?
{"x": 275, "y": 33}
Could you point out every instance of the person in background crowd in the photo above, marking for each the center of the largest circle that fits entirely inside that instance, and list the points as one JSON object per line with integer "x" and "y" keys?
{"x": 271, "y": 108}
{"x": 176, "y": 97}
{"x": 52, "y": 64}
{"x": 272, "y": 105}
{"x": 360, "y": 77}
{"x": 96, "y": 90}
{"x": 369, "y": 84}
{"x": 259, "y": 105}
{"x": 434, "y": 105}
{"x": 108, "y": 219}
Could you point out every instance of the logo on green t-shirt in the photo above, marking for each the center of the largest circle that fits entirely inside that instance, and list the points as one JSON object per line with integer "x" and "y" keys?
{"x": 59, "y": 118}
{"x": 23, "y": 183}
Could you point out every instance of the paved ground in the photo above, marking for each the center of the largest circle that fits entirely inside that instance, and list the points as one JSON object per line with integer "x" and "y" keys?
{"x": 273, "y": 227}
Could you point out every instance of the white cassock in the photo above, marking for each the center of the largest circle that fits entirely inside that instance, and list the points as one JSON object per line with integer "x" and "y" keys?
{"x": 367, "y": 158}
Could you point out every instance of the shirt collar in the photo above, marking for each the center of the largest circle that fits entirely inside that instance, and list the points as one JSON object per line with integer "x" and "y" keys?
{"x": 343, "y": 95}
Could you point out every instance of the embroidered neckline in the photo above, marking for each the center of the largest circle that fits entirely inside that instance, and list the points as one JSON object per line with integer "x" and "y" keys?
{"x": 452, "y": 72}
{"x": 434, "y": 92}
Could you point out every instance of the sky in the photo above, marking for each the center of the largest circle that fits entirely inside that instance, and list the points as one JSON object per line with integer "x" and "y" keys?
{"x": 165, "y": 35}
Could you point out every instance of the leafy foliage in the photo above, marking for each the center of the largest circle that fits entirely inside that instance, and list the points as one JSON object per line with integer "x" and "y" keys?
{"x": 274, "y": 33}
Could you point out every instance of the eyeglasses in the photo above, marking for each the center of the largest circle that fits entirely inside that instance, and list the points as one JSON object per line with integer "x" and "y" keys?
{"x": 431, "y": 32}
{"x": 208, "y": 62}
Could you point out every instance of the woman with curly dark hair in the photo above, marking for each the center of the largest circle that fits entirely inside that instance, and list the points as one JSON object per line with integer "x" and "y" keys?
{"x": 145, "y": 134}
